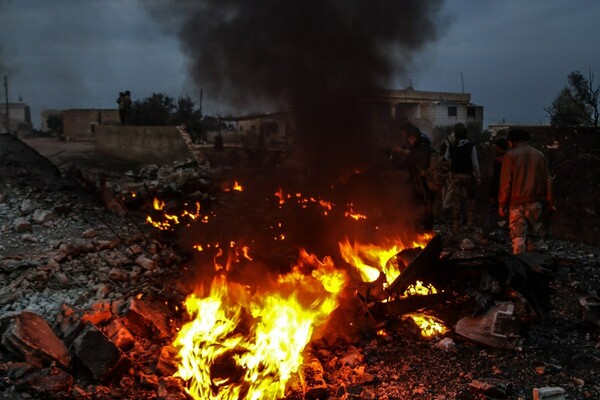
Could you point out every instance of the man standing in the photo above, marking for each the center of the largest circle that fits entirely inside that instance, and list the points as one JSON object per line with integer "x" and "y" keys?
{"x": 525, "y": 187}
{"x": 446, "y": 143}
{"x": 465, "y": 176}
{"x": 416, "y": 161}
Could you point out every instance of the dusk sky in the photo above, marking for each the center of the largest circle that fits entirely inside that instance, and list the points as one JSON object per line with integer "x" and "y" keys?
{"x": 514, "y": 55}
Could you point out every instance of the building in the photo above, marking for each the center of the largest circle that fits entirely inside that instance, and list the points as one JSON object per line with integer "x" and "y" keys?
{"x": 433, "y": 112}
{"x": 80, "y": 124}
{"x": 19, "y": 119}
{"x": 44, "y": 115}
{"x": 263, "y": 130}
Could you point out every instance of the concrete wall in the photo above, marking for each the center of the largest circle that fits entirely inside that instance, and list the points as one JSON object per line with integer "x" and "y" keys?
{"x": 143, "y": 144}
{"x": 82, "y": 124}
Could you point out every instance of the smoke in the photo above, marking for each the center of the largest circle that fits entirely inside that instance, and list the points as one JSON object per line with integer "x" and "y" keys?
{"x": 306, "y": 57}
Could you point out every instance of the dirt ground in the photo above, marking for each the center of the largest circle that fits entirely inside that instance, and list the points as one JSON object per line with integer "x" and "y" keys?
{"x": 562, "y": 351}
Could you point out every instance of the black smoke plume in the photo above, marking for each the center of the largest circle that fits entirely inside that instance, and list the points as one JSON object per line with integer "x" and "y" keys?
{"x": 308, "y": 57}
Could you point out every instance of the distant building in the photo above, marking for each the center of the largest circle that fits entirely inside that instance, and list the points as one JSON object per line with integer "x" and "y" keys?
{"x": 44, "y": 115}
{"x": 80, "y": 124}
{"x": 433, "y": 112}
{"x": 262, "y": 130}
{"x": 19, "y": 119}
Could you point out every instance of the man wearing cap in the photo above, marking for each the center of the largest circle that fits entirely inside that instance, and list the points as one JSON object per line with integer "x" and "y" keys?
{"x": 526, "y": 190}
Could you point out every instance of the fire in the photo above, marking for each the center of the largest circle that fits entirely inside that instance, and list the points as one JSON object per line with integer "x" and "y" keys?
{"x": 247, "y": 345}
{"x": 238, "y": 187}
{"x": 157, "y": 204}
{"x": 169, "y": 220}
{"x": 235, "y": 186}
{"x": 247, "y": 342}
{"x": 350, "y": 213}
{"x": 430, "y": 326}
{"x": 419, "y": 289}
{"x": 371, "y": 260}
{"x": 304, "y": 201}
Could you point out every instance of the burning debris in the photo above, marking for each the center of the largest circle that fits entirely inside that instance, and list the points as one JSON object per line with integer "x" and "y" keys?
{"x": 202, "y": 289}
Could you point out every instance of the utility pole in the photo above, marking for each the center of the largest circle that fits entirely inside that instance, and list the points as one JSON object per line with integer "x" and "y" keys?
{"x": 6, "y": 119}
{"x": 200, "y": 105}
{"x": 462, "y": 81}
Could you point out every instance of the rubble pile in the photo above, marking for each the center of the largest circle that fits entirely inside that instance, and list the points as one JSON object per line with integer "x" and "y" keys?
{"x": 91, "y": 301}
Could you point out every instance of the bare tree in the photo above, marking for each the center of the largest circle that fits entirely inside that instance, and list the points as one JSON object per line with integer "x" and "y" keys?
{"x": 576, "y": 104}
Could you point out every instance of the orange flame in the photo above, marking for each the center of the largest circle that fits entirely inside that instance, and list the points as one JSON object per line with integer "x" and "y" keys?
{"x": 223, "y": 356}
{"x": 157, "y": 204}
{"x": 430, "y": 326}
{"x": 171, "y": 220}
{"x": 371, "y": 260}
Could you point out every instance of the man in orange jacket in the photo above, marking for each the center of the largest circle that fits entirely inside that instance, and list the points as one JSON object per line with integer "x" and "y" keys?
{"x": 526, "y": 189}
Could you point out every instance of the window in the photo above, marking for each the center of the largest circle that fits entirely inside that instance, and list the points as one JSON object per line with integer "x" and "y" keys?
{"x": 471, "y": 112}
{"x": 270, "y": 128}
{"x": 452, "y": 112}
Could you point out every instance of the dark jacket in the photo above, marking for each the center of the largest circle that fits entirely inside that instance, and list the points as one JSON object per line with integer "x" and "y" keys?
{"x": 416, "y": 161}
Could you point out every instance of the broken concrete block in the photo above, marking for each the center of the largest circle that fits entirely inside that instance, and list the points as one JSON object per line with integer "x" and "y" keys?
{"x": 100, "y": 314}
{"x": 120, "y": 335}
{"x": 69, "y": 324}
{"x": 27, "y": 207}
{"x": 99, "y": 354}
{"x": 144, "y": 321}
{"x": 21, "y": 225}
{"x": 148, "y": 381}
{"x": 167, "y": 362}
{"x": 549, "y": 393}
{"x": 42, "y": 216}
{"x": 89, "y": 233}
{"x": 146, "y": 263}
{"x": 30, "y": 337}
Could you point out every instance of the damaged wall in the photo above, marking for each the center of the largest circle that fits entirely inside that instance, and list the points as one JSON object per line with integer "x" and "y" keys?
{"x": 144, "y": 144}
{"x": 82, "y": 124}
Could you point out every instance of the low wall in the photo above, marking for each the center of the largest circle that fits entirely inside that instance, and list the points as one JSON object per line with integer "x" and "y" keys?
{"x": 143, "y": 144}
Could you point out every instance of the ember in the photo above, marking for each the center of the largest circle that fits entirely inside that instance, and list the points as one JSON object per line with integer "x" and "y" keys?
{"x": 248, "y": 341}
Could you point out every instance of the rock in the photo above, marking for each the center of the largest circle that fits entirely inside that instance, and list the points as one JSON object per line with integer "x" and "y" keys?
{"x": 89, "y": 233}
{"x": 99, "y": 354}
{"x": 27, "y": 207}
{"x": 21, "y": 225}
{"x": 120, "y": 335}
{"x": 99, "y": 314}
{"x": 167, "y": 362}
{"x": 42, "y": 216}
{"x": 30, "y": 337}
{"x": 146, "y": 263}
{"x": 143, "y": 320}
